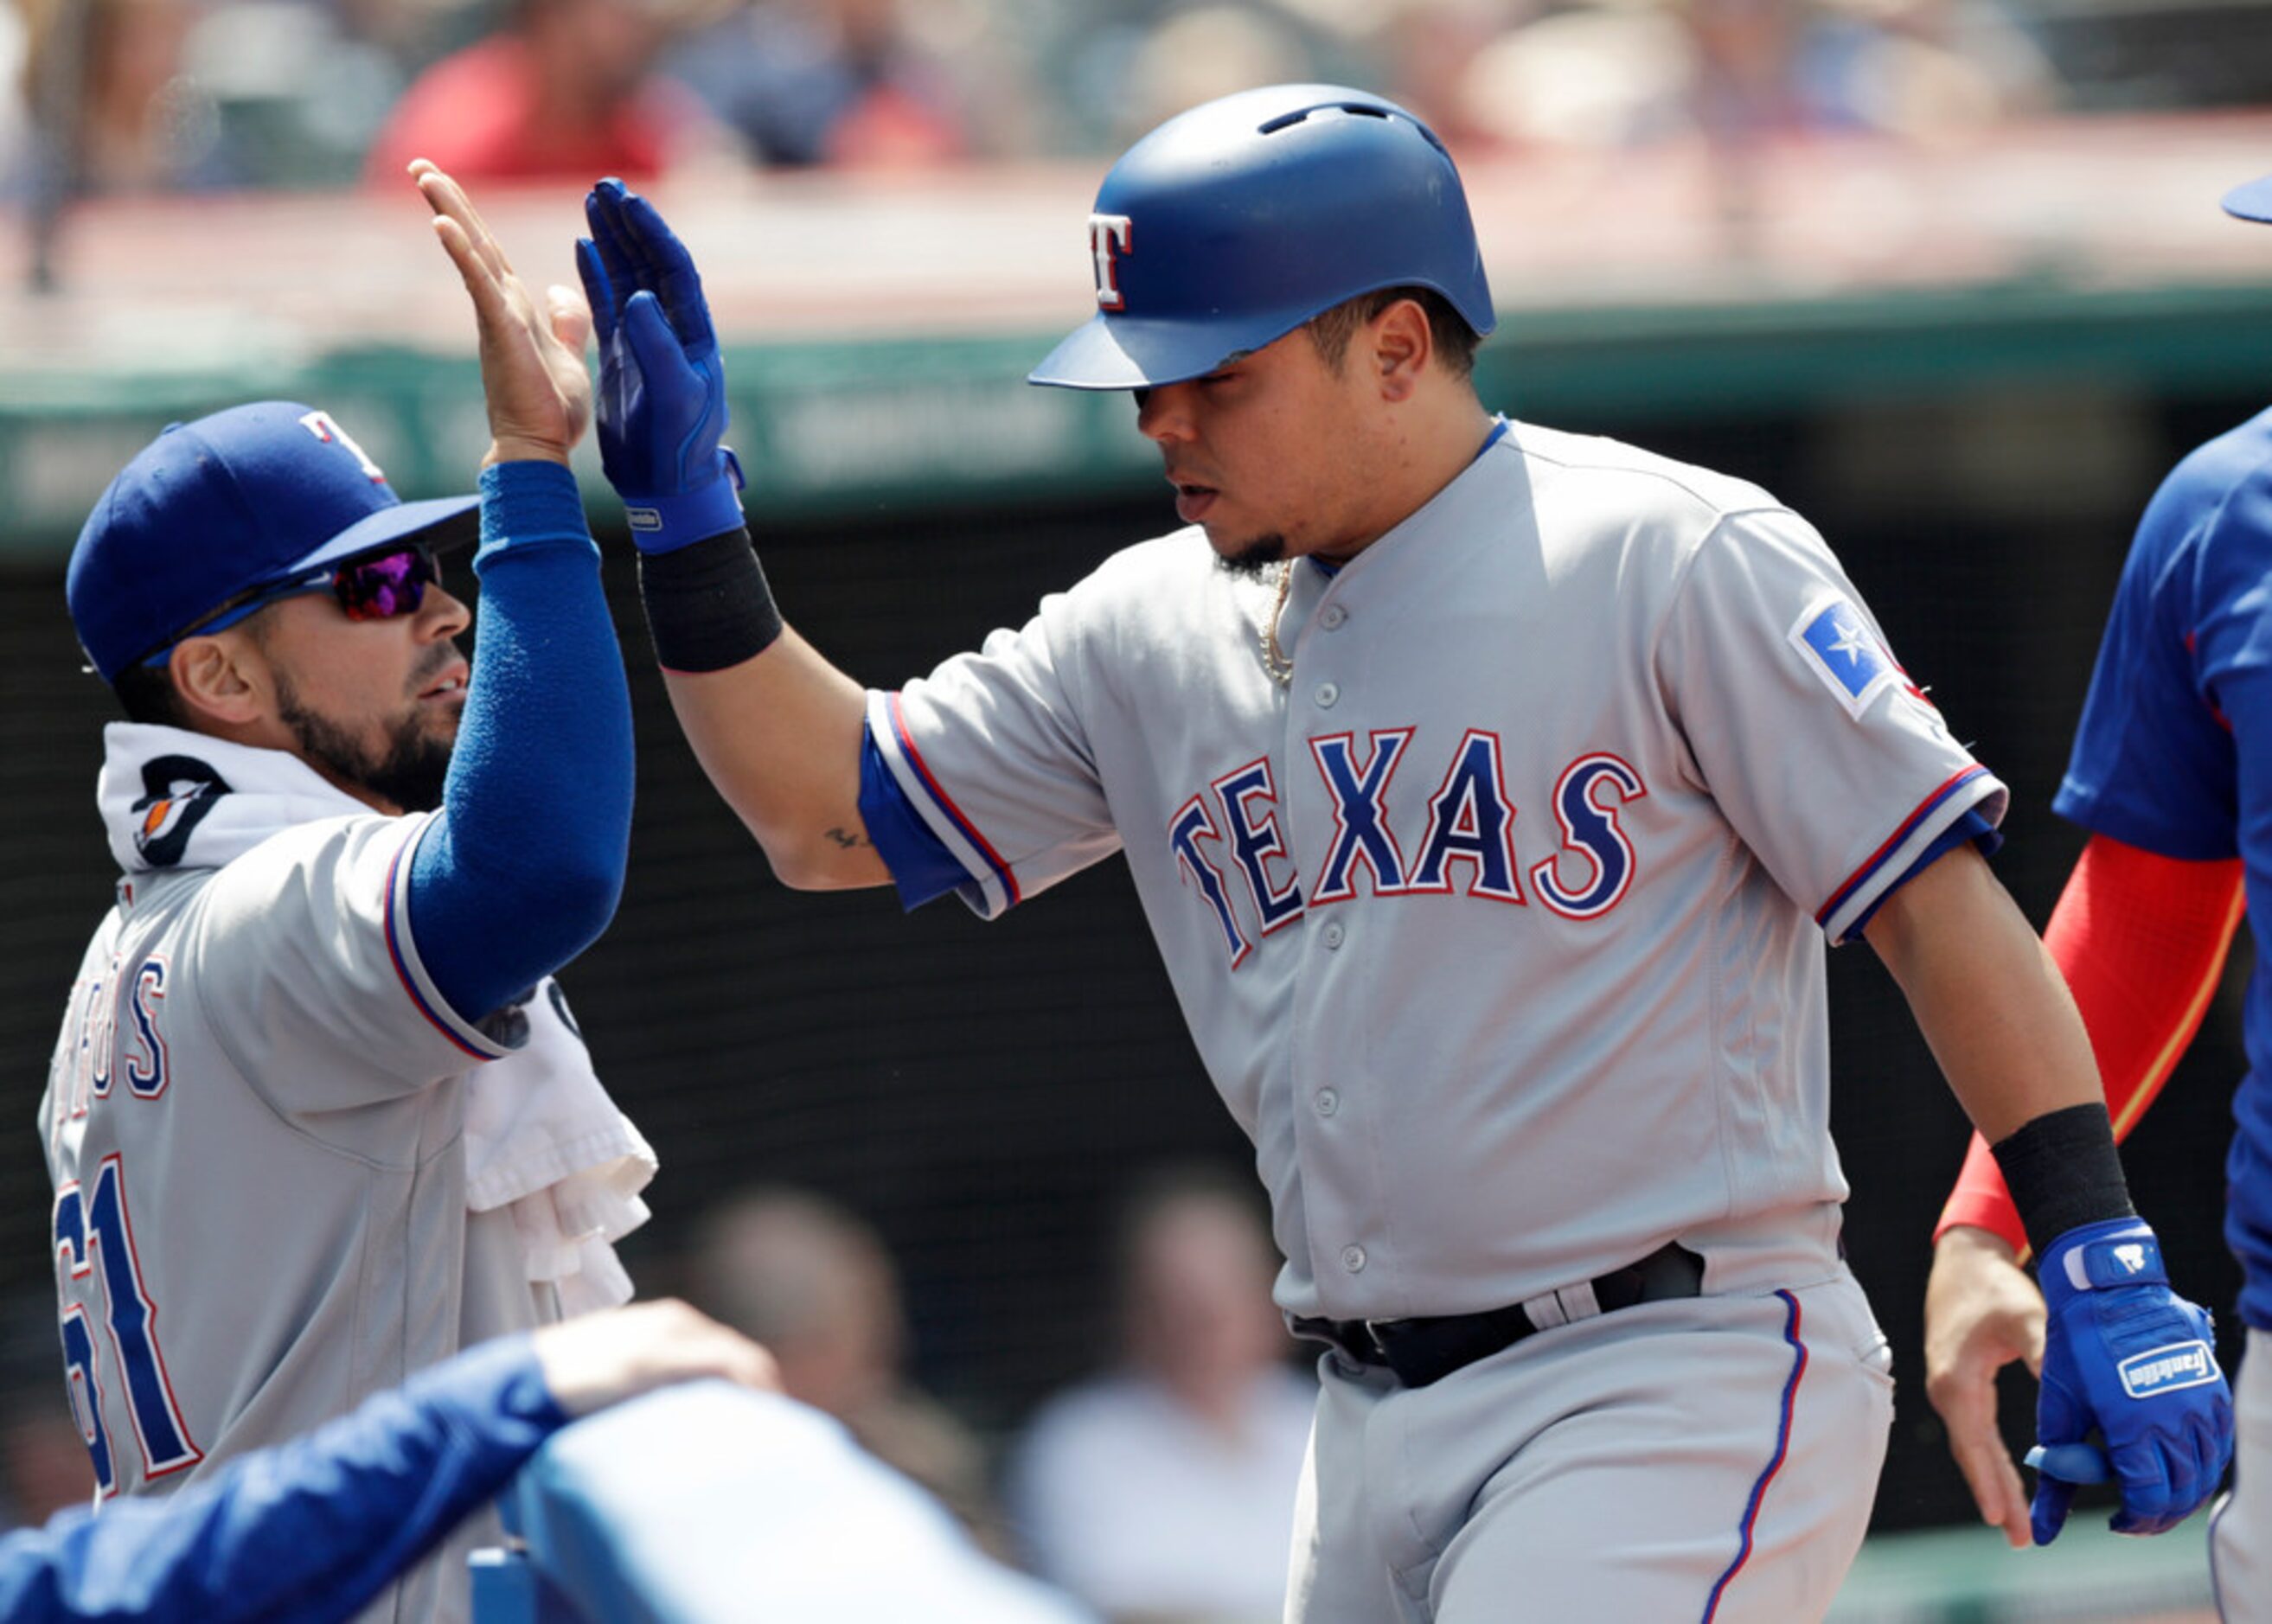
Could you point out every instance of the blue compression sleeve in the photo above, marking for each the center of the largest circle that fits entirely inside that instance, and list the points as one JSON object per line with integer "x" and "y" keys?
{"x": 921, "y": 866}
{"x": 310, "y": 1530}
{"x": 523, "y": 868}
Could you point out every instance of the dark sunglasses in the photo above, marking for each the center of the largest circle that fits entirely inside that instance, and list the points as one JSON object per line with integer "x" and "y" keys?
{"x": 374, "y": 587}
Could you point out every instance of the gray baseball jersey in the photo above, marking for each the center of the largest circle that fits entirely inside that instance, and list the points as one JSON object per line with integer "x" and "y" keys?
{"x": 2240, "y": 1527}
{"x": 1500, "y": 926}
{"x": 253, "y": 1121}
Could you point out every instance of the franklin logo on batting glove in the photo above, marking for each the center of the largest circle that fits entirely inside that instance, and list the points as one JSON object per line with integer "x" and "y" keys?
{"x": 2164, "y": 1370}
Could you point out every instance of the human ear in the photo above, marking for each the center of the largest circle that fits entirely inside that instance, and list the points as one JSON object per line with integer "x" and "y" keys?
{"x": 221, "y": 677}
{"x": 1402, "y": 343}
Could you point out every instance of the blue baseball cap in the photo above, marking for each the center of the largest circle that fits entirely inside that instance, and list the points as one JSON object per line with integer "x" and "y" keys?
{"x": 2252, "y": 201}
{"x": 212, "y": 511}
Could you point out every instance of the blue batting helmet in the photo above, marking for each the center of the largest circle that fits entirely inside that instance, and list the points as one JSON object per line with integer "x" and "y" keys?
{"x": 1231, "y": 225}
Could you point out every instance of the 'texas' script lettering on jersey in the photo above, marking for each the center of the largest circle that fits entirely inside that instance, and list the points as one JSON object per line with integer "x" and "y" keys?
{"x": 1230, "y": 846}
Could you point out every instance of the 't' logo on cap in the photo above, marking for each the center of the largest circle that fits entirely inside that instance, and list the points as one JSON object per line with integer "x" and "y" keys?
{"x": 320, "y": 425}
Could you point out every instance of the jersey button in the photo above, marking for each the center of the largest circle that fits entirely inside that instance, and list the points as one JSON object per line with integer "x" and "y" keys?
{"x": 1332, "y": 934}
{"x": 1327, "y": 693}
{"x": 1333, "y": 617}
{"x": 1353, "y": 1258}
{"x": 1329, "y": 1102}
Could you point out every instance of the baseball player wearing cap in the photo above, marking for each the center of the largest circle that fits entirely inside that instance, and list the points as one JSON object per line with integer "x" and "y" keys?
{"x": 1492, "y": 793}
{"x": 2169, "y": 774}
{"x": 262, "y": 1111}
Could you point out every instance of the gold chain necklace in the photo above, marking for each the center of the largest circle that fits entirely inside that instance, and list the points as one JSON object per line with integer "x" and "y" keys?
{"x": 1275, "y": 658}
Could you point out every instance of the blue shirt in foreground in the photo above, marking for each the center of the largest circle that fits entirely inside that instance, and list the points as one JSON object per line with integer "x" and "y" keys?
{"x": 310, "y": 1530}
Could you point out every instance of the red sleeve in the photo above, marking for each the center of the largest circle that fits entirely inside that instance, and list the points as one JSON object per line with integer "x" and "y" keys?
{"x": 2141, "y": 941}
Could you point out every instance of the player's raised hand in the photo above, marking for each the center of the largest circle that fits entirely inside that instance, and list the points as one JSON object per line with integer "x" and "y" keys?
{"x": 533, "y": 371}
{"x": 662, "y": 388}
{"x": 2125, "y": 1355}
{"x": 1981, "y": 1313}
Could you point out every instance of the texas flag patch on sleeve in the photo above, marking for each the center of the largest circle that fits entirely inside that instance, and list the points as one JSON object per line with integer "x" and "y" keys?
{"x": 1837, "y": 643}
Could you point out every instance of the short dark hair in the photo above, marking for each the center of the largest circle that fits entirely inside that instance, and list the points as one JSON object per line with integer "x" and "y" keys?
{"x": 1331, "y": 330}
{"x": 148, "y": 694}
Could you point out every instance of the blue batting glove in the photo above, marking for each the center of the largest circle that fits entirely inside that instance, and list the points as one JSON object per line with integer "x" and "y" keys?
{"x": 2125, "y": 1355}
{"x": 662, "y": 388}
{"x": 2072, "y": 1463}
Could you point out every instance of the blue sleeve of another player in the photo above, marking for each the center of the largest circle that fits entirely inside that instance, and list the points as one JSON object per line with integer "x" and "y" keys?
{"x": 310, "y": 1530}
{"x": 523, "y": 868}
{"x": 921, "y": 866}
{"x": 2153, "y": 761}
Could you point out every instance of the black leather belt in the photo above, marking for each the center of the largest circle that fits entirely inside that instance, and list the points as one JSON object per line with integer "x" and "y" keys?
{"x": 1421, "y": 1350}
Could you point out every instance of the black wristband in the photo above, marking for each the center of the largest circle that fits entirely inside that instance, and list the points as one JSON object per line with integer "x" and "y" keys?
{"x": 2062, "y": 1171}
{"x": 707, "y": 603}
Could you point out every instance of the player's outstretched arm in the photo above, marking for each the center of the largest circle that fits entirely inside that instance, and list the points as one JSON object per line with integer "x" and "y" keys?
{"x": 313, "y": 1529}
{"x": 2123, "y": 1356}
{"x": 778, "y": 730}
{"x": 524, "y": 866}
{"x": 2141, "y": 940}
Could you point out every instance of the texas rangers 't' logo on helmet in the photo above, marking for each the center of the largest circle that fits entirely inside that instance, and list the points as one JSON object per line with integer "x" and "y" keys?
{"x": 1109, "y": 236}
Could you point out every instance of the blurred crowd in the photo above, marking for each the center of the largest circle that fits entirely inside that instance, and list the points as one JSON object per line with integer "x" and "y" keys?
{"x": 121, "y": 96}
{"x": 1157, "y": 1488}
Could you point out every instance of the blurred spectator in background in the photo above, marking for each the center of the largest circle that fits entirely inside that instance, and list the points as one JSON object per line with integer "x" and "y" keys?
{"x": 1924, "y": 70}
{"x": 1587, "y": 76}
{"x": 106, "y": 88}
{"x": 841, "y": 82}
{"x": 414, "y": 32}
{"x": 1421, "y": 52}
{"x": 194, "y": 94}
{"x": 1164, "y": 1489}
{"x": 565, "y": 90}
{"x": 1198, "y": 53}
{"x": 44, "y": 1466}
{"x": 814, "y": 1283}
{"x": 15, "y": 95}
{"x": 300, "y": 87}
{"x": 1730, "y": 73}
{"x": 174, "y": 95}
{"x": 1746, "y": 51}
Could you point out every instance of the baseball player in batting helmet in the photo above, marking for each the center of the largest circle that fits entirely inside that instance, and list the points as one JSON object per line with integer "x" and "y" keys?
{"x": 2166, "y": 775}
{"x": 1493, "y": 794}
